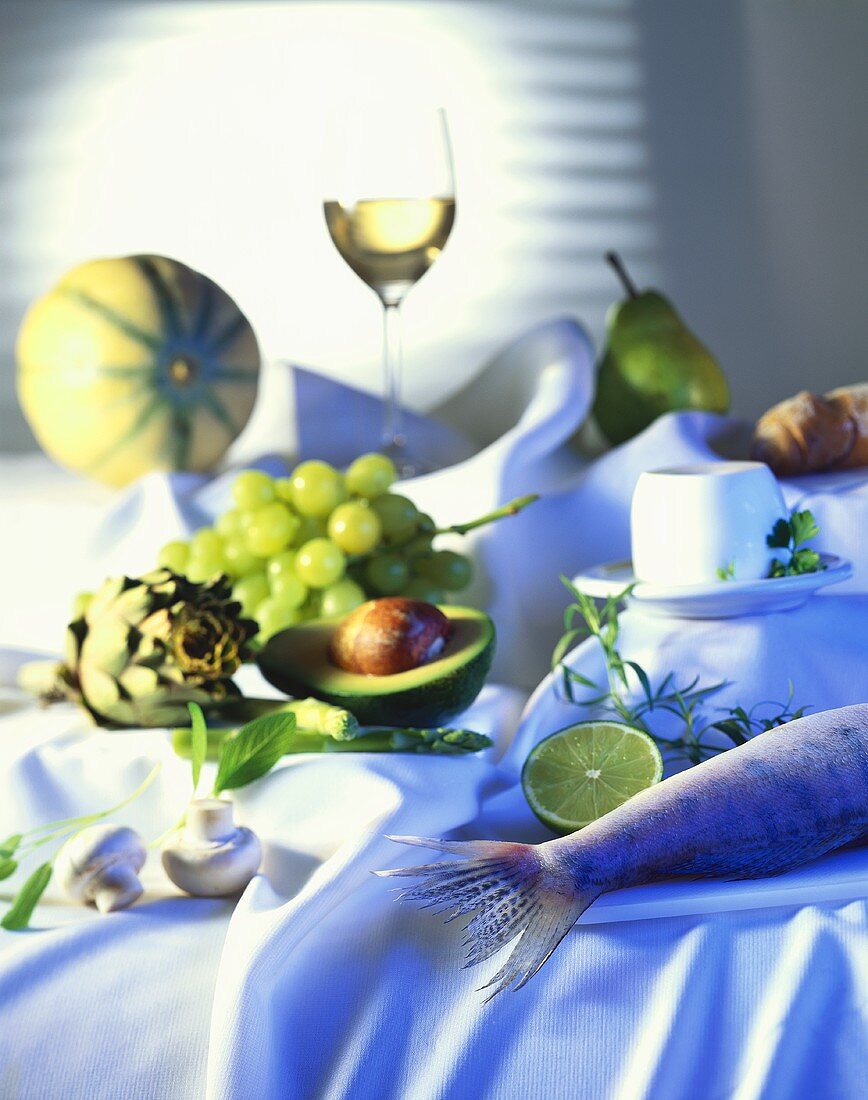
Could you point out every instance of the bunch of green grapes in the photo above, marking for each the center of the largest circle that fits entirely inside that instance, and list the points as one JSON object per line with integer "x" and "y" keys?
{"x": 319, "y": 543}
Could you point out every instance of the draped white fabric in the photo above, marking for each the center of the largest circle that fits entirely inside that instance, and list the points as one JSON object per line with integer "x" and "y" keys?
{"x": 316, "y": 983}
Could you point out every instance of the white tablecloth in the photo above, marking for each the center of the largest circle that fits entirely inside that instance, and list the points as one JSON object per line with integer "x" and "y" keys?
{"x": 316, "y": 984}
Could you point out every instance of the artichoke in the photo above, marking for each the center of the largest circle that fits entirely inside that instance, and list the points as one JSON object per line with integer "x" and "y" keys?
{"x": 146, "y": 647}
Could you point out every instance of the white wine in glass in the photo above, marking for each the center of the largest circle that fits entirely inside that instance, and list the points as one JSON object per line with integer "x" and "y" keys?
{"x": 390, "y": 212}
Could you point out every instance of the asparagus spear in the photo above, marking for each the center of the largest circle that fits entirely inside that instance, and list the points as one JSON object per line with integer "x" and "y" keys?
{"x": 310, "y": 714}
{"x": 443, "y": 741}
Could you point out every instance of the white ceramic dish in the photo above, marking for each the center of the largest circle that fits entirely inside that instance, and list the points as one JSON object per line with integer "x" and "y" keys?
{"x": 716, "y": 600}
{"x": 839, "y": 876}
{"x": 686, "y": 522}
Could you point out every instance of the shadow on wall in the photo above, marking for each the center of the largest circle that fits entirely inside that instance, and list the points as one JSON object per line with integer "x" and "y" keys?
{"x": 759, "y": 161}
{"x": 714, "y": 264}
{"x": 121, "y": 133}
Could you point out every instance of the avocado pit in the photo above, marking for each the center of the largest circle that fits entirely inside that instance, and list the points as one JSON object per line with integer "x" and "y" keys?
{"x": 390, "y": 635}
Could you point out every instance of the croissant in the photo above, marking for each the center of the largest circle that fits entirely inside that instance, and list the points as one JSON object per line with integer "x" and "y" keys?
{"x": 811, "y": 432}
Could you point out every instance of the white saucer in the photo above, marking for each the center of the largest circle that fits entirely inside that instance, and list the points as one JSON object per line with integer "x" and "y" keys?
{"x": 717, "y": 600}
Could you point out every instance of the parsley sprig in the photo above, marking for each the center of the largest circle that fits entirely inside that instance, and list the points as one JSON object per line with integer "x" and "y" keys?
{"x": 791, "y": 535}
{"x": 629, "y": 695}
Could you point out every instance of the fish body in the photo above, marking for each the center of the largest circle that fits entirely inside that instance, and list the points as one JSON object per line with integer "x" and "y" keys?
{"x": 772, "y": 804}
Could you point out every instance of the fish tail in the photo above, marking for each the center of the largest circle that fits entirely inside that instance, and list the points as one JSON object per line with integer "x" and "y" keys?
{"x": 510, "y": 888}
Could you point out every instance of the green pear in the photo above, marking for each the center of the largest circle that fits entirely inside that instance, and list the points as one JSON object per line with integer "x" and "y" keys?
{"x": 652, "y": 364}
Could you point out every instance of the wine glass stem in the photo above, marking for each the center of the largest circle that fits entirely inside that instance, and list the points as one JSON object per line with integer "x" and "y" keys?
{"x": 393, "y": 437}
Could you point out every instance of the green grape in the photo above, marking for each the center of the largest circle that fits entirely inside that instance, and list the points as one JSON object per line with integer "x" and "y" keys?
{"x": 426, "y": 524}
{"x": 355, "y": 527}
{"x": 397, "y": 516}
{"x": 82, "y": 602}
{"x": 371, "y": 475}
{"x": 418, "y": 565}
{"x": 447, "y": 569}
{"x": 310, "y": 527}
{"x": 230, "y": 524}
{"x": 320, "y": 563}
{"x": 271, "y": 529}
{"x": 272, "y": 616}
{"x": 386, "y": 574}
{"x": 206, "y": 555}
{"x": 417, "y": 548}
{"x": 418, "y": 588}
{"x": 287, "y": 588}
{"x": 246, "y": 516}
{"x": 284, "y": 581}
{"x": 174, "y": 555}
{"x": 239, "y": 559}
{"x": 250, "y": 591}
{"x": 317, "y": 488}
{"x": 205, "y": 541}
{"x": 252, "y": 489}
{"x": 281, "y": 563}
{"x": 283, "y": 489}
{"x": 341, "y": 598}
{"x": 202, "y": 567}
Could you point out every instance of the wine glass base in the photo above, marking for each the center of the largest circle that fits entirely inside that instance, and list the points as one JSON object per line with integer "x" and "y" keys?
{"x": 408, "y": 463}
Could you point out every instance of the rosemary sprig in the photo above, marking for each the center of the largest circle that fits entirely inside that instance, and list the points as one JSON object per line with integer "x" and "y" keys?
{"x": 629, "y": 695}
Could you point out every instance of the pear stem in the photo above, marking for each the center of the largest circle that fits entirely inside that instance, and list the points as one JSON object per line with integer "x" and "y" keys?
{"x": 615, "y": 261}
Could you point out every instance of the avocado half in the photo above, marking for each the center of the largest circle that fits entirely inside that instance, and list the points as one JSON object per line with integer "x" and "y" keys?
{"x": 297, "y": 662}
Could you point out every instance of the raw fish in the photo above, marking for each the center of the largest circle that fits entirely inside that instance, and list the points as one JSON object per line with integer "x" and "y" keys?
{"x": 781, "y": 799}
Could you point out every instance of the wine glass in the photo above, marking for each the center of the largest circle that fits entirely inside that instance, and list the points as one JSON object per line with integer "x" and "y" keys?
{"x": 389, "y": 207}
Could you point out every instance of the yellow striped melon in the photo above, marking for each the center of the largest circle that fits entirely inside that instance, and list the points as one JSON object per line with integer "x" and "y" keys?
{"x": 136, "y": 364}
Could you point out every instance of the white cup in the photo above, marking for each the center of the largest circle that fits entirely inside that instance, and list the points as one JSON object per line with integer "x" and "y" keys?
{"x": 688, "y": 522}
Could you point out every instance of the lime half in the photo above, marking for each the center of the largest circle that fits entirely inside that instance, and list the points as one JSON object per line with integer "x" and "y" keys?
{"x": 582, "y": 772}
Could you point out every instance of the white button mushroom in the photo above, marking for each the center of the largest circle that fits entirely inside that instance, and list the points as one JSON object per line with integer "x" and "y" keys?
{"x": 211, "y": 857}
{"x": 101, "y": 864}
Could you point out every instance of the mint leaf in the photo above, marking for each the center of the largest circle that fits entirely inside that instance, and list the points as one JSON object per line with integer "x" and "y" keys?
{"x": 253, "y": 751}
{"x": 198, "y": 741}
{"x": 10, "y": 845}
{"x": 21, "y": 910}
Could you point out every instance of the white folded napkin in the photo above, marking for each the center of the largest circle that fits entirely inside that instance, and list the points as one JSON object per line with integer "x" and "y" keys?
{"x": 324, "y": 985}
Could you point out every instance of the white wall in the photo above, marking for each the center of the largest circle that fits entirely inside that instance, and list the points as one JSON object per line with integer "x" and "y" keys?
{"x": 758, "y": 126}
{"x": 720, "y": 146}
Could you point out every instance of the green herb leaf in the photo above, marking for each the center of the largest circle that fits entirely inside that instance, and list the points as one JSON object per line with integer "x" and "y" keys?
{"x": 805, "y": 561}
{"x": 780, "y": 536}
{"x": 566, "y": 643}
{"x": 21, "y": 910}
{"x": 643, "y": 680}
{"x": 803, "y": 527}
{"x": 727, "y": 573}
{"x": 253, "y": 751}
{"x": 198, "y": 741}
{"x": 7, "y": 867}
{"x": 686, "y": 703}
{"x": 10, "y": 845}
